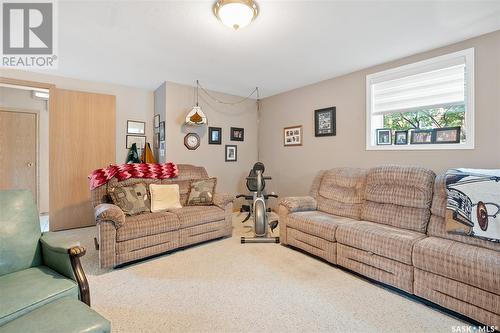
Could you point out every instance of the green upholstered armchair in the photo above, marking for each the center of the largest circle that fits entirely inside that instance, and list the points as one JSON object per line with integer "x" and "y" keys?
{"x": 35, "y": 269}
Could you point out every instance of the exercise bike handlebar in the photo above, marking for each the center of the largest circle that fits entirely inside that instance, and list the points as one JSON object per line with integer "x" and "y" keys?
{"x": 255, "y": 177}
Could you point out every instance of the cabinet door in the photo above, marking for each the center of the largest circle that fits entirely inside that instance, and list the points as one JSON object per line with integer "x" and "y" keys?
{"x": 82, "y": 139}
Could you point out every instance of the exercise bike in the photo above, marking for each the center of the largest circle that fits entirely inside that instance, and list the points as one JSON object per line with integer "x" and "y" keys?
{"x": 256, "y": 185}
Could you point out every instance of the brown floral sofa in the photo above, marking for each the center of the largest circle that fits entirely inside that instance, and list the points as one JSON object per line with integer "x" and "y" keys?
{"x": 124, "y": 238}
{"x": 387, "y": 223}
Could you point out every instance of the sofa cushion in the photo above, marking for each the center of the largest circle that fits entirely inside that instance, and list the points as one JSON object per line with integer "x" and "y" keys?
{"x": 147, "y": 224}
{"x": 196, "y": 215}
{"x": 202, "y": 192}
{"x": 317, "y": 223}
{"x": 63, "y": 315}
{"x": 437, "y": 224}
{"x": 164, "y": 197}
{"x": 184, "y": 187}
{"x": 472, "y": 265}
{"x": 386, "y": 241}
{"x": 25, "y": 290}
{"x": 131, "y": 199}
{"x": 341, "y": 192}
{"x": 399, "y": 196}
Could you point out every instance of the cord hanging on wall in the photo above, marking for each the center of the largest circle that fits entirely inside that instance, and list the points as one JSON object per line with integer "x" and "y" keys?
{"x": 199, "y": 86}
{"x": 196, "y": 117}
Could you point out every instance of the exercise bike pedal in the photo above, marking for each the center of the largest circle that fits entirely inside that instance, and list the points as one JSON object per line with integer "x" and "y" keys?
{"x": 244, "y": 208}
{"x": 273, "y": 225}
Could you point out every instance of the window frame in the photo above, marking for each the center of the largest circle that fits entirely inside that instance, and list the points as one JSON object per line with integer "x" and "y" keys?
{"x": 408, "y": 69}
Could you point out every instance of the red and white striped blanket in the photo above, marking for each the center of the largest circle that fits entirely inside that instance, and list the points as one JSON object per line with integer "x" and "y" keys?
{"x": 100, "y": 177}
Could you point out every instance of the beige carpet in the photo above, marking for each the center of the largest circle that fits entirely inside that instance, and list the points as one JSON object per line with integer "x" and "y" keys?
{"x": 224, "y": 286}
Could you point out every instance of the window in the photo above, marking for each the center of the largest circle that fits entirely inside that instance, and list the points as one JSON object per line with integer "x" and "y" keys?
{"x": 432, "y": 100}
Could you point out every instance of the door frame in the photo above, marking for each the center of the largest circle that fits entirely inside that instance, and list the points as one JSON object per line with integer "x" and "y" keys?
{"x": 50, "y": 106}
{"x": 37, "y": 145}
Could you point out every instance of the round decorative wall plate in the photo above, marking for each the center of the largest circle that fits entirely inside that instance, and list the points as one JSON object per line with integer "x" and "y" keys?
{"x": 192, "y": 141}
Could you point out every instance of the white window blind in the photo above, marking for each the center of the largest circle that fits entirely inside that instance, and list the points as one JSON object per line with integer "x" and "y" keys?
{"x": 433, "y": 83}
{"x": 443, "y": 86}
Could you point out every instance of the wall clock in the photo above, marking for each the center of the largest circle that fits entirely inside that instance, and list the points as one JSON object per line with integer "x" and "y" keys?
{"x": 192, "y": 141}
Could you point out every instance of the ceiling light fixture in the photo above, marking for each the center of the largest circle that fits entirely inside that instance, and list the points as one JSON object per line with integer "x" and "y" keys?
{"x": 236, "y": 13}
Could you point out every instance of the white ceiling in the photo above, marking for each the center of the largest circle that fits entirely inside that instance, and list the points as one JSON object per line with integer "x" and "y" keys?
{"x": 290, "y": 44}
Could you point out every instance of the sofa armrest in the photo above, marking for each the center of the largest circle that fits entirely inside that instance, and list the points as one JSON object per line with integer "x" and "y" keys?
{"x": 109, "y": 212}
{"x": 299, "y": 204}
{"x": 223, "y": 199}
{"x": 63, "y": 256}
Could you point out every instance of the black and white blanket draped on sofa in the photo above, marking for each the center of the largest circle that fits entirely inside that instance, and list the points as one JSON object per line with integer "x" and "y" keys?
{"x": 473, "y": 204}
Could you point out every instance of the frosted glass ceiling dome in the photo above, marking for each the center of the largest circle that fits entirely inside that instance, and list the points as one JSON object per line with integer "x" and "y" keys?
{"x": 236, "y": 13}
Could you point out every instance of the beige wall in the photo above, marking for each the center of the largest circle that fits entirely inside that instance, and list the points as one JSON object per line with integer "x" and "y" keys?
{"x": 131, "y": 103}
{"x": 293, "y": 168}
{"x": 178, "y": 101}
{"x": 21, "y": 100}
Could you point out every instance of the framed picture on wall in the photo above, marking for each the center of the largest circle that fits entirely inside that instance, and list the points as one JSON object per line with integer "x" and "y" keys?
{"x": 140, "y": 141}
{"x": 292, "y": 136}
{"x": 156, "y": 140}
{"x": 156, "y": 121}
{"x": 136, "y": 127}
{"x": 162, "y": 131}
{"x": 325, "y": 123}
{"x": 231, "y": 153}
{"x": 214, "y": 135}
{"x": 237, "y": 134}
{"x": 162, "y": 148}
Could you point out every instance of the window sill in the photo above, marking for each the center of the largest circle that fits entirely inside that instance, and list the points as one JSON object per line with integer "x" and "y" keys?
{"x": 444, "y": 146}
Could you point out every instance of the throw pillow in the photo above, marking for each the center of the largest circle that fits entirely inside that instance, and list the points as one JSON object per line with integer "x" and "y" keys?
{"x": 473, "y": 204}
{"x": 164, "y": 197}
{"x": 202, "y": 192}
{"x": 131, "y": 199}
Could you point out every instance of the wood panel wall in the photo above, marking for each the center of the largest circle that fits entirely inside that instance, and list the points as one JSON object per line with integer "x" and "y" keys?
{"x": 82, "y": 139}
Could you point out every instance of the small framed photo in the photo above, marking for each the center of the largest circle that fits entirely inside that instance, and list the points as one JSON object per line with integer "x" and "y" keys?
{"x": 384, "y": 136}
{"x": 162, "y": 148}
{"x": 156, "y": 121}
{"x": 136, "y": 127}
{"x": 162, "y": 131}
{"x": 237, "y": 134}
{"x": 214, "y": 135}
{"x": 421, "y": 137}
{"x": 325, "y": 123}
{"x": 140, "y": 141}
{"x": 231, "y": 153}
{"x": 156, "y": 140}
{"x": 401, "y": 138}
{"x": 292, "y": 136}
{"x": 447, "y": 135}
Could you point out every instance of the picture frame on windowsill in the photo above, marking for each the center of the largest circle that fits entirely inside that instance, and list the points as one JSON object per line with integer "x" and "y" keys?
{"x": 384, "y": 136}
{"x": 447, "y": 135}
{"x": 400, "y": 138}
{"x": 422, "y": 136}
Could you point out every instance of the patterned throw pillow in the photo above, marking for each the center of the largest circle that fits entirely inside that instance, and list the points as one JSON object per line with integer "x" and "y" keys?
{"x": 202, "y": 192}
{"x": 132, "y": 200}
